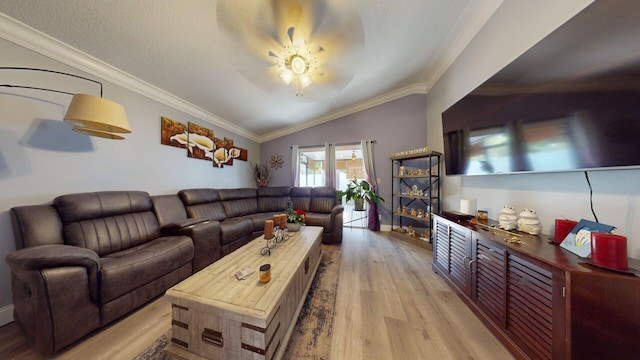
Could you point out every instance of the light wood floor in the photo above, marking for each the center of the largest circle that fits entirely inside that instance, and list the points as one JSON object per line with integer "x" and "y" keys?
{"x": 390, "y": 305}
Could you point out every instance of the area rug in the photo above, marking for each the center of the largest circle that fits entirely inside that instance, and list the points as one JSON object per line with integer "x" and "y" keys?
{"x": 311, "y": 337}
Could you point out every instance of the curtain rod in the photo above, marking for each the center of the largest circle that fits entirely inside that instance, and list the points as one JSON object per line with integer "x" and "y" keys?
{"x": 338, "y": 144}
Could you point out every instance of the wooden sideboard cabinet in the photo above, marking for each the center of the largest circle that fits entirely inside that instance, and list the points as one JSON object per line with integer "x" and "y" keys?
{"x": 540, "y": 300}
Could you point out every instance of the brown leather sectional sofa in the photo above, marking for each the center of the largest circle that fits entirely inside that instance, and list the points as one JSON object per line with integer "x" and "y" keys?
{"x": 88, "y": 259}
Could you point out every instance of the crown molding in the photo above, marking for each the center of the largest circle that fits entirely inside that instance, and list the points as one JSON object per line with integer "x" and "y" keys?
{"x": 352, "y": 109}
{"x": 35, "y": 40}
{"x": 450, "y": 51}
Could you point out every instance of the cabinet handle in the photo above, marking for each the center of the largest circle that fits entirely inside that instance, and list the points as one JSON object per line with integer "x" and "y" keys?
{"x": 213, "y": 337}
{"x": 470, "y": 268}
{"x": 464, "y": 261}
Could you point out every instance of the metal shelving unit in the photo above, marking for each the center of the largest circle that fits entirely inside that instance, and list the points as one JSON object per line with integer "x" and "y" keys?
{"x": 417, "y": 188}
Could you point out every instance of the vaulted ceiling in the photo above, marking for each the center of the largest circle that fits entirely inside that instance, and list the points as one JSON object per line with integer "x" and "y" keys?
{"x": 214, "y": 55}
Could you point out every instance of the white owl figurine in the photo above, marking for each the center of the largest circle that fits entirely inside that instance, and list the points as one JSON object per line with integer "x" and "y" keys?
{"x": 507, "y": 220}
{"x": 529, "y": 222}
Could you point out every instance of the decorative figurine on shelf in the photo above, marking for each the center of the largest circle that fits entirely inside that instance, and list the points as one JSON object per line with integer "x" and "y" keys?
{"x": 508, "y": 220}
{"x": 420, "y": 213}
{"x": 414, "y": 190}
{"x": 411, "y": 231}
{"x": 404, "y": 209}
{"x": 529, "y": 222}
{"x": 410, "y": 172}
{"x": 399, "y": 210}
{"x": 427, "y": 172}
{"x": 414, "y": 212}
{"x": 401, "y": 171}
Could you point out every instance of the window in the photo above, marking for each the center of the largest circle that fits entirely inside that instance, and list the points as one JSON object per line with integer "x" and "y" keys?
{"x": 348, "y": 164}
{"x": 312, "y": 166}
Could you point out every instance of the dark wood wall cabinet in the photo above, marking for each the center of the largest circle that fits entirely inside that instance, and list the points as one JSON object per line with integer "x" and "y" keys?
{"x": 540, "y": 300}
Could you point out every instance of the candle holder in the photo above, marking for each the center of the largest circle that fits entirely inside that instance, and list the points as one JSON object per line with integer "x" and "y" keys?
{"x": 279, "y": 235}
{"x": 270, "y": 244}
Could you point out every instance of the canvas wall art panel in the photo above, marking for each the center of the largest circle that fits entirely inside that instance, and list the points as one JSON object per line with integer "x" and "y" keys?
{"x": 220, "y": 154}
{"x": 173, "y": 133}
{"x": 201, "y": 143}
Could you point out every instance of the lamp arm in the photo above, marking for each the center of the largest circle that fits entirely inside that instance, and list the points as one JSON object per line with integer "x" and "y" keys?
{"x": 49, "y": 71}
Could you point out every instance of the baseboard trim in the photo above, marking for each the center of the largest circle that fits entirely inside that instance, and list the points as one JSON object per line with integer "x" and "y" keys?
{"x": 6, "y": 315}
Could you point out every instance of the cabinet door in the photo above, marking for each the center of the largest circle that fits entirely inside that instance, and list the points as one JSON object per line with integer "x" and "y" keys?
{"x": 452, "y": 252}
{"x": 490, "y": 280}
{"x": 460, "y": 257}
{"x": 441, "y": 244}
{"x": 530, "y": 306}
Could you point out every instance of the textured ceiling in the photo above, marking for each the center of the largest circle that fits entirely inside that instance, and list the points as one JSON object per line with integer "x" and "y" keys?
{"x": 214, "y": 54}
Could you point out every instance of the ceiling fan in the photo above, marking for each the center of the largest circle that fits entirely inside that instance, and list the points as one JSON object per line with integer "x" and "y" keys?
{"x": 280, "y": 43}
{"x": 297, "y": 61}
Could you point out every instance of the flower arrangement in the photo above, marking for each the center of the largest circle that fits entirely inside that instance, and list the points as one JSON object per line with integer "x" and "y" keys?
{"x": 296, "y": 216}
{"x": 261, "y": 173}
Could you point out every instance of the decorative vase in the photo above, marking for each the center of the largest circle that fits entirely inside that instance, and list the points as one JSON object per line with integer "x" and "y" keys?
{"x": 293, "y": 227}
{"x": 359, "y": 204}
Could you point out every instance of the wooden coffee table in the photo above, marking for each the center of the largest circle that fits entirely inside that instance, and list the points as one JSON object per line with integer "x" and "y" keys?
{"x": 216, "y": 316}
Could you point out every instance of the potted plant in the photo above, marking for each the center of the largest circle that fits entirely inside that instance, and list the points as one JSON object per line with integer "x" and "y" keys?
{"x": 359, "y": 192}
{"x": 295, "y": 218}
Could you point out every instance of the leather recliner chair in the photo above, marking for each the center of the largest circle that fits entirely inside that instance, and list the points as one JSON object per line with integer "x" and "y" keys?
{"x": 86, "y": 260}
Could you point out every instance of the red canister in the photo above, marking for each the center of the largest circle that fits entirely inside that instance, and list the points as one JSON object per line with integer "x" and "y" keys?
{"x": 609, "y": 250}
{"x": 563, "y": 228}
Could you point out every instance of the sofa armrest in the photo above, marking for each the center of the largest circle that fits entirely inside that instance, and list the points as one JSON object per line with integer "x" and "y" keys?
{"x": 337, "y": 210}
{"x": 53, "y": 256}
{"x": 180, "y": 224}
{"x": 206, "y": 240}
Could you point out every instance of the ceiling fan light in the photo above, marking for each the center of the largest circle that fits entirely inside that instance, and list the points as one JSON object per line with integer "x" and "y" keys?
{"x": 305, "y": 80}
{"x": 286, "y": 75}
{"x": 298, "y": 65}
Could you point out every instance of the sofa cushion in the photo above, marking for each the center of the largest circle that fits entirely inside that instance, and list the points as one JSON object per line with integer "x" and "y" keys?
{"x": 234, "y": 229}
{"x": 273, "y": 198}
{"x": 301, "y": 198}
{"x": 169, "y": 209}
{"x": 107, "y": 222}
{"x": 202, "y": 203}
{"x": 239, "y": 202}
{"x": 319, "y": 219}
{"x": 323, "y": 199}
{"x": 198, "y": 196}
{"x": 124, "y": 271}
{"x": 259, "y": 219}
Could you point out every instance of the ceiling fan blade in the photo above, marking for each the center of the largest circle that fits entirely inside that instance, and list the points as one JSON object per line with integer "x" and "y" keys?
{"x": 290, "y": 33}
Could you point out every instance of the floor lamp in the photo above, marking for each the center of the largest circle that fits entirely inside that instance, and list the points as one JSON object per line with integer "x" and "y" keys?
{"x": 90, "y": 115}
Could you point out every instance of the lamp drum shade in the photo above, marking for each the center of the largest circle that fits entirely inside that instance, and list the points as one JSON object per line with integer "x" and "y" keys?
{"x": 88, "y": 112}
{"x": 98, "y": 133}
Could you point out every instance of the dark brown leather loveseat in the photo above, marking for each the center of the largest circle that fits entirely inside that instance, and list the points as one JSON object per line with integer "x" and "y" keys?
{"x": 88, "y": 259}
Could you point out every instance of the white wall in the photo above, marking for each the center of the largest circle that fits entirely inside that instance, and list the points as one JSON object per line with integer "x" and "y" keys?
{"x": 41, "y": 158}
{"x": 515, "y": 27}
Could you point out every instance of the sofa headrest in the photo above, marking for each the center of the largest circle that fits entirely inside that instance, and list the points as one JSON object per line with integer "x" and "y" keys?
{"x": 323, "y": 191}
{"x": 168, "y": 209}
{"x": 237, "y": 194}
{"x": 85, "y": 206}
{"x": 265, "y": 191}
{"x": 301, "y": 191}
{"x": 198, "y": 196}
